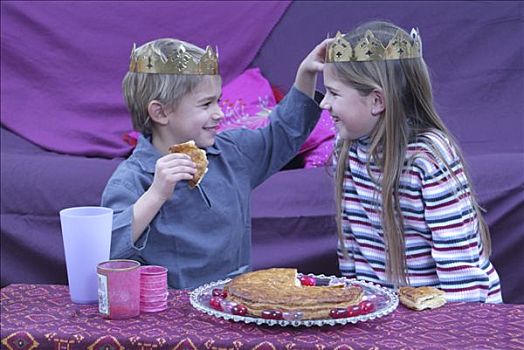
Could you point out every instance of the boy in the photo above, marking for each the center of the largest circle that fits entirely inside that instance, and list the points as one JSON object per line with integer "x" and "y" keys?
{"x": 203, "y": 234}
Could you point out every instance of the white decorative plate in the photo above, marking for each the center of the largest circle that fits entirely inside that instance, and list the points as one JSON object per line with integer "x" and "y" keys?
{"x": 384, "y": 301}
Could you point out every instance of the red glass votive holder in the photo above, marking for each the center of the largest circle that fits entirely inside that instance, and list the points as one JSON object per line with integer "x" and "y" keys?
{"x": 153, "y": 277}
{"x": 153, "y": 297}
{"x": 153, "y": 288}
{"x": 119, "y": 289}
{"x": 146, "y": 283}
{"x": 153, "y": 270}
{"x": 156, "y": 306}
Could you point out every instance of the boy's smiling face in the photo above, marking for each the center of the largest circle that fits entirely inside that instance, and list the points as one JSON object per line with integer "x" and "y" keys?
{"x": 197, "y": 115}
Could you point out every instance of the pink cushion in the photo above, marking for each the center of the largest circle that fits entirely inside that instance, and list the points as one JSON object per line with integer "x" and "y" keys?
{"x": 318, "y": 147}
{"x": 247, "y": 101}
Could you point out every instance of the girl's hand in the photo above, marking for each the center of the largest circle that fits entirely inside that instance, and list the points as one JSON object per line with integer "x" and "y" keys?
{"x": 169, "y": 170}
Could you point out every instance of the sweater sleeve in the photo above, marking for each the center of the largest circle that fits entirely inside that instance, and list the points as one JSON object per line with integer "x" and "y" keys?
{"x": 121, "y": 197}
{"x": 450, "y": 215}
{"x": 347, "y": 264}
{"x": 266, "y": 150}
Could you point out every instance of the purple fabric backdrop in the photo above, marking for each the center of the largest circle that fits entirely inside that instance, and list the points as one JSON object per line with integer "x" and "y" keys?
{"x": 63, "y": 62}
{"x": 473, "y": 49}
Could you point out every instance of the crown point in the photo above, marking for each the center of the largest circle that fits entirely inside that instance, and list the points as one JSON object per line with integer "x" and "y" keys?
{"x": 176, "y": 61}
{"x": 413, "y": 33}
{"x": 369, "y": 48}
{"x": 209, "y": 52}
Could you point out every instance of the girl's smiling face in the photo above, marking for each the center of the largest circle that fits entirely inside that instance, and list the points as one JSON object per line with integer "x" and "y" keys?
{"x": 354, "y": 115}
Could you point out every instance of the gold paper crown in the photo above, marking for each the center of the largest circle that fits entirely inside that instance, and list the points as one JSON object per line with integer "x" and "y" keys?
{"x": 179, "y": 61}
{"x": 369, "y": 48}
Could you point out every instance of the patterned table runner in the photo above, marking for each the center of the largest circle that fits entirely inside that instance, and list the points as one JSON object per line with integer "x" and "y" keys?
{"x": 43, "y": 317}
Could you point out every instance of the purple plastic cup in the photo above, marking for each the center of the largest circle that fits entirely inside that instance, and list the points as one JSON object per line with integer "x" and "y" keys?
{"x": 119, "y": 289}
{"x": 86, "y": 233}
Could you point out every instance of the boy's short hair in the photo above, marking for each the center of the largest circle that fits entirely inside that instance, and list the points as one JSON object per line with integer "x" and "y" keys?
{"x": 140, "y": 89}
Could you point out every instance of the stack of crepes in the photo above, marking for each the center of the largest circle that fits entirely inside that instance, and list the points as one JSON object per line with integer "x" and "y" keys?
{"x": 280, "y": 289}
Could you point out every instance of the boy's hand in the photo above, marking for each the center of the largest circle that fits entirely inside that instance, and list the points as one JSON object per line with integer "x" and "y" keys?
{"x": 306, "y": 78}
{"x": 169, "y": 170}
{"x": 314, "y": 62}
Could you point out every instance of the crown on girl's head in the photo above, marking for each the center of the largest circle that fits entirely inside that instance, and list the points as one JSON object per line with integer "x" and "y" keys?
{"x": 179, "y": 61}
{"x": 369, "y": 48}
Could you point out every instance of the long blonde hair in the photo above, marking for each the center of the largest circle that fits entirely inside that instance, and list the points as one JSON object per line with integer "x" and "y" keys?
{"x": 409, "y": 111}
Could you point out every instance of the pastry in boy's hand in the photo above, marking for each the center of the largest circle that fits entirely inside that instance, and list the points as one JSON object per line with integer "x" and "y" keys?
{"x": 198, "y": 156}
{"x": 421, "y": 298}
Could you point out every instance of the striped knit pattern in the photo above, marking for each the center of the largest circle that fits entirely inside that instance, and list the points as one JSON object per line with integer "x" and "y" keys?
{"x": 443, "y": 246}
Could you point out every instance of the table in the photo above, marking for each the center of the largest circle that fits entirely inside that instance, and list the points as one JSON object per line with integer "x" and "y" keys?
{"x": 43, "y": 317}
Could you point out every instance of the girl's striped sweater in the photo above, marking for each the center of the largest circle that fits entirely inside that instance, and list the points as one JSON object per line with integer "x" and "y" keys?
{"x": 443, "y": 247}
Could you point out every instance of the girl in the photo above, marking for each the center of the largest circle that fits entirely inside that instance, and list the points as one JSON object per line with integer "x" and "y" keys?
{"x": 406, "y": 213}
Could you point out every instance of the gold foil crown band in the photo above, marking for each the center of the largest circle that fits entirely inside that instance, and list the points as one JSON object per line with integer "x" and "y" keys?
{"x": 179, "y": 61}
{"x": 369, "y": 48}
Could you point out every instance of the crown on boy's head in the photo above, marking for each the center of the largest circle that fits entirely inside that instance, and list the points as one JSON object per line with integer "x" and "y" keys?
{"x": 179, "y": 61}
{"x": 369, "y": 48}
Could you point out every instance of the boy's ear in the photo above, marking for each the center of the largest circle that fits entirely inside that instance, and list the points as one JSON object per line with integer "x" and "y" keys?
{"x": 155, "y": 110}
{"x": 378, "y": 104}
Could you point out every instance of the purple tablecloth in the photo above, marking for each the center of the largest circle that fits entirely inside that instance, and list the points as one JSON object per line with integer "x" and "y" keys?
{"x": 42, "y": 316}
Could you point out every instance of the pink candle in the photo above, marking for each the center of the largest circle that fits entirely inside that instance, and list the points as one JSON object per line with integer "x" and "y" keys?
{"x": 119, "y": 289}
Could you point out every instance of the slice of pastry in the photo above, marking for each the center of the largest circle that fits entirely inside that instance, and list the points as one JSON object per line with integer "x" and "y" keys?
{"x": 421, "y": 298}
{"x": 279, "y": 289}
{"x": 198, "y": 156}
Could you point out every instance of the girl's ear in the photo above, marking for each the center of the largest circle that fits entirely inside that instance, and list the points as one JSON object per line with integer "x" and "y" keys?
{"x": 377, "y": 102}
{"x": 155, "y": 110}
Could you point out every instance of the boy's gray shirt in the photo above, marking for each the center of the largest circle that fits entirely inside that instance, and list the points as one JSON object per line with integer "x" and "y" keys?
{"x": 204, "y": 234}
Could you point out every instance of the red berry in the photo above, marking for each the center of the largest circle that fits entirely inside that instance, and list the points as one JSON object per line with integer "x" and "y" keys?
{"x": 214, "y": 302}
{"x": 239, "y": 310}
{"x": 217, "y": 292}
{"x": 272, "y": 314}
{"x": 293, "y": 315}
{"x": 354, "y": 310}
{"x": 338, "y": 313}
{"x": 366, "y": 306}
{"x": 308, "y": 281}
